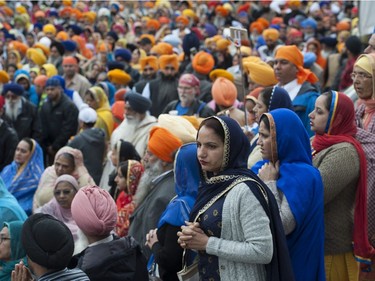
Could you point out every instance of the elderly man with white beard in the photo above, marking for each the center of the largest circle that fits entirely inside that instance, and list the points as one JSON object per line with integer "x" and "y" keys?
{"x": 134, "y": 129}
{"x": 156, "y": 187}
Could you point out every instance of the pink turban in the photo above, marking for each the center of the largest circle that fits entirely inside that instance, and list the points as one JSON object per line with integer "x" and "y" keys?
{"x": 189, "y": 79}
{"x": 94, "y": 211}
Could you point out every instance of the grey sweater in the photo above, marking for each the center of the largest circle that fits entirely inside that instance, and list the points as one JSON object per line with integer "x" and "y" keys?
{"x": 246, "y": 243}
{"x": 339, "y": 167}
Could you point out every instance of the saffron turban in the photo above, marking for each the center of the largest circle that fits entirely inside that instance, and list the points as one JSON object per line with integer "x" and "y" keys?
{"x": 151, "y": 23}
{"x": 220, "y": 10}
{"x": 89, "y": 16}
{"x": 215, "y": 74}
{"x": 183, "y": 19}
{"x": 149, "y": 60}
{"x": 94, "y": 211}
{"x": 49, "y": 28}
{"x": 271, "y": 33}
{"x": 148, "y": 36}
{"x": 343, "y": 25}
{"x": 163, "y": 144}
{"x": 203, "y": 62}
{"x": 62, "y": 36}
{"x": 119, "y": 76}
{"x": 224, "y": 92}
{"x": 70, "y": 60}
{"x": 222, "y": 44}
{"x": 47, "y": 241}
{"x": 118, "y": 109}
{"x": 164, "y": 60}
{"x": 41, "y": 80}
{"x": 20, "y": 47}
{"x": 162, "y": 48}
{"x": 265, "y": 23}
{"x": 36, "y": 55}
{"x": 294, "y": 55}
{"x": 256, "y": 26}
{"x": 261, "y": 73}
{"x": 4, "y": 77}
{"x": 178, "y": 126}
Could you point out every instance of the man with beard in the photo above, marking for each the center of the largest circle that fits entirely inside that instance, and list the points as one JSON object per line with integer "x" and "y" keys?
{"x": 21, "y": 114}
{"x": 156, "y": 187}
{"x": 74, "y": 80}
{"x": 163, "y": 89}
{"x": 149, "y": 68}
{"x": 268, "y": 51}
{"x": 56, "y": 54}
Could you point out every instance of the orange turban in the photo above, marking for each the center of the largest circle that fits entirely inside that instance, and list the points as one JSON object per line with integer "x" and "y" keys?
{"x": 120, "y": 94}
{"x": 8, "y": 11}
{"x": 224, "y": 92}
{"x": 343, "y": 25}
{"x": 164, "y": 60}
{"x": 39, "y": 14}
{"x": 104, "y": 47}
{"x": 89, "y": 16}
{"x": 37, "y": 56}
{"x": 183, "y": 19}
{"x": 220, "y": 10}
{"x": 62, "y": 36}
{"x": 149, "y": 60}
{"x": 294, "y": 55}
{"x": 49, "y": 28}
{"x": 215, "y": 74}
{"x": 164, "y": 20}
{"x": 254, "y": 94}
{"x": 66, "y": 12}
{"x": 118, "y": 109}
{"x": 257, "y": 26}
{"x": 4, "y": 77}
{"x": 162, "y": 48}
{"x": 263, "y": 22}
{"x": 41, "y": 80}
{"x": 80, "y": 41}
{"x": 149, "y": 36}
{"x": 294, "y": 3}
{"x": 277, "y": 20}
{"x": 70, "y": 60}
{"x": 153, "y": 24}
{"x": 261, "y": 73}
{"x": 222, "y": 44}
{"x": 243, "y": 8}
{"x": 20, "y": 47}
{"x": 163, "y": 144}
{"x": 119, "y": 76}
{"x": 271, "y": 33}
{"x": 203, "y": 62}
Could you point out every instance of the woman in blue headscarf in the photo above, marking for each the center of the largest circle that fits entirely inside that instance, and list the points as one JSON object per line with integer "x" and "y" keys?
{"x": 11, "y": 250}
{"x": 297, "y": 186}
{"x": 10, "y": 210}
{"x": 235, "y": 224}
{"x": 21, "y": 177}
{"x": 167, "y": 253}
{"x": 270, "y": 98}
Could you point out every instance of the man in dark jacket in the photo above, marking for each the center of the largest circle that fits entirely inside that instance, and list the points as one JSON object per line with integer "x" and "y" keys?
{"x": 21, "y": 114}
{"x": 59, "y": 117}
{"x": 149, "y": 68}
{"x": 90, "y": 139}
{"x": 8, "y": 139}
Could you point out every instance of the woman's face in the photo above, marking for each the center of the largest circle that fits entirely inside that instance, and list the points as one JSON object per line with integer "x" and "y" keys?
{"x": 64, "y": 194}
{"x": 265, "y": 141}
{"x": 90, "y": 101}
{"x": 12, "y": 59}
{"x": 120, "y": 180}
{"x": 319, "y": 116}
{"x": 260, "y": 108}
{"x": 63, "y": 166}
{"x": 23, "y": 152}
{"x": 210, "y": 150}
{"x": 251, "y": 113}
{"x": 135, "y": 56}
{"x": 114, "y": 156}
{"x": 5, "y": 251}
{"x": 362, "y": 83}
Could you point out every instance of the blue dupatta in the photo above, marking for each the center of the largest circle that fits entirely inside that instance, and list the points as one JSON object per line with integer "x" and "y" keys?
{"x": 22, "y": 181}
{"x": 302, "y": 185}
{"x": 10, "y": 210}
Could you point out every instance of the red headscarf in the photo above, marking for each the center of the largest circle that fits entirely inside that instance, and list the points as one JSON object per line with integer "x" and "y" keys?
{"x": 341, "y": 127}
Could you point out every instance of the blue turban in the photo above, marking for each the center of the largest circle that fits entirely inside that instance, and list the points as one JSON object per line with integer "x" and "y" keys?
{"x": 21, "y": 73}
{"x": 309, "y": 23}
{"x": 69, "y": 45}
{"x": 124, "y": 54}
{"x": 53, "y": 82}
{"x": 15, "y": 88}
{"x": 308, "y": 59}
{"x": 77, "y": 30}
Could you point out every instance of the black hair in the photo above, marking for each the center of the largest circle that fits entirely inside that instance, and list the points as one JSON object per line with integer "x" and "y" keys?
{"x": 127, "y": 151}
{"x": 265, "y": 96}
{"x": 29, "y": 142}
{"x": 123, "y": 166}
{"x": 266, "y": 121}
{"x": 328, "y": 102}
{"x": 215, "y": 125}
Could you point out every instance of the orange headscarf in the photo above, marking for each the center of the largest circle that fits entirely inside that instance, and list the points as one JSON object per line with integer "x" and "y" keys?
{"x": 294, "y": 55}
{"x": 163, "y": 144}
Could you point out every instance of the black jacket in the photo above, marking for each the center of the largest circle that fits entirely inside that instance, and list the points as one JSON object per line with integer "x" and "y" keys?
{"x": 8, "y": 144}
{"x": 59, "y": 122}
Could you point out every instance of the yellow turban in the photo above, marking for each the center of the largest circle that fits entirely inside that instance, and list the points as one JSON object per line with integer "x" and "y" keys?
{"x": 164, "y": 60}
{"x": 222, "y": 44}
{"x": 163, "y": 144}
{"x": 261, "y": 73}
{"x": 149, "y": 36}
{"x": 150, "y": 60}
{"x": 4, "y": 77}
{"x": 189, "y": 13}
{"x": 178, "y": 126}
{"x": 162, "y": 48}
{"x": 245, "y": 50}
{"x": 224, "y": 92}
{"x": 271, "y": 33}
{"x": 119, "y": 77}
{"x": 251, "y": 59}
{"x": 37, "y": 56}
{"x": 50, "y": 69}
{"x": 42, "y": 47}
{"x": 62, "y": 36}
{"x": 221, "y": 73}
{"x": 49, "y": 28}
{"x": 89, "y": 16}
{"x": 193, "y": 120}
{"x": 21, "y": 10}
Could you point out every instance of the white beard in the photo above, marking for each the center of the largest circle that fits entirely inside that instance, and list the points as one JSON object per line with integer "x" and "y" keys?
{"x": 12, "y": 109}
{"x": 145, "y": 183}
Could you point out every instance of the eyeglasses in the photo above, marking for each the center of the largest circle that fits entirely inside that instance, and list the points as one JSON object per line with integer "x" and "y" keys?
{"x": 65, "y": 192}
{"x": 360, "y": 75}
{"x": 3, "y": 238}
{"x": 184, "y": 88}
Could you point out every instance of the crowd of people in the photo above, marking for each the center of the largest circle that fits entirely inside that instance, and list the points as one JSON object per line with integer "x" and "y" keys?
{"x": 142, "y": 138}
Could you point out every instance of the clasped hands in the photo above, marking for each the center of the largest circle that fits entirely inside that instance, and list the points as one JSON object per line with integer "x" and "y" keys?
{"x": 192, "y": 236}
